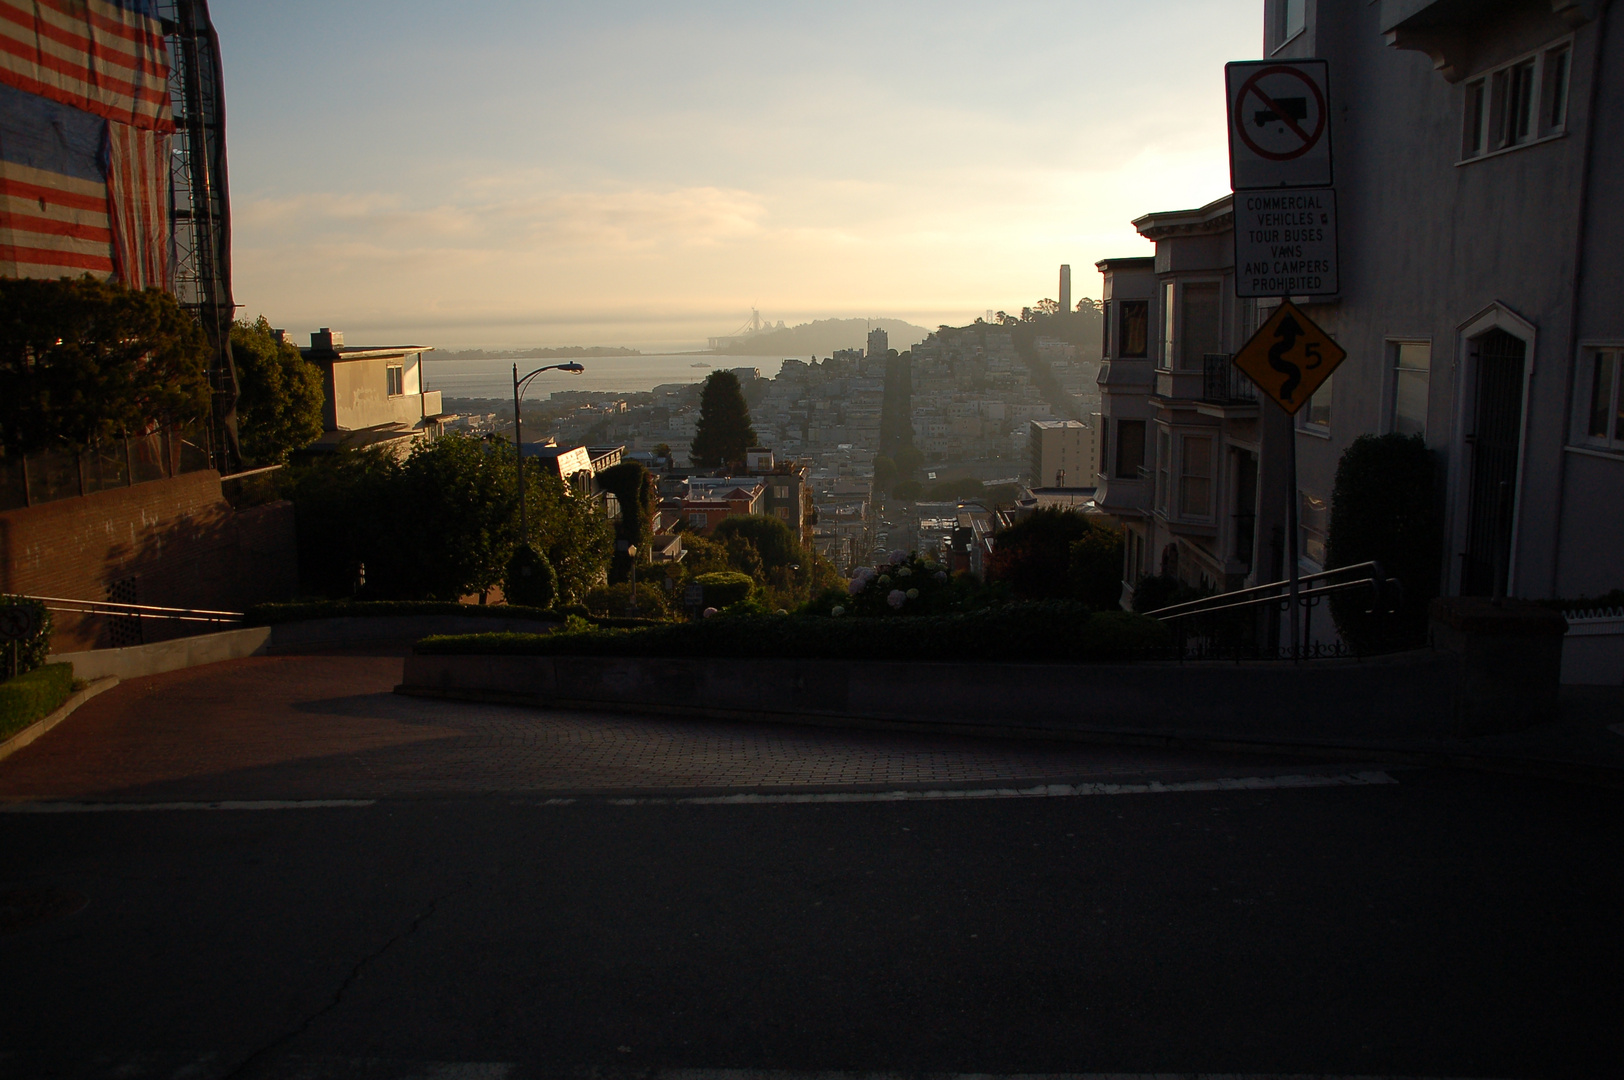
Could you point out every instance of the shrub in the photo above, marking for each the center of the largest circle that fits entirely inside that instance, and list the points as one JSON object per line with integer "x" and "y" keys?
{"x": 32, "y": 651}
{"x": 1384, "y": 507}
{"x": 530, "y": 579}
{"x": 652, "y": 602}
{"x": 1033, "y": 556}
{"x": 725, "y": 587}
{"x": 1094, "y": 567}
{"x": 1046, "y": 631}
{"x": 33, "y": 696}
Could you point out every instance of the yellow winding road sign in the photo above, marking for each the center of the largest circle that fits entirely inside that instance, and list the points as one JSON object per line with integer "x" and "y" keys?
{"x": 1289, "y": 357}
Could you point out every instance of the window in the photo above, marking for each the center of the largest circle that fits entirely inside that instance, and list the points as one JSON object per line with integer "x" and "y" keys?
{"x": 1133, "y": 328}
{"x": 1517, "y": 104}
{"x": 1317, "y": 413}
{"x": 1602, "y": 382}
{"x": 780, "y": 491}
{"x": 1105, "y": 328}
{"x": 1195, "y": 477}
{"x": 1313, "y": 520}
{"x": 1477, "y": 119}
{"x": 1293, "y": 17}
{"x": 698, "y": 520}
{"x": 1514, "y": 90}
{"x": 1164, "y": 455}
{"x": 1202, "y": 330}
{"x": 395, "y": 378}
{"x": 1130, "y": 449}
{"x": 1554, "y": 95}
{"x": 1412, "y": 370}
{"x": 1167, "y": 325}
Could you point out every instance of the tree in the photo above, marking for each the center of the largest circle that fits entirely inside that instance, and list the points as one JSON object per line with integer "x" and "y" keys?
{"x": 1094, "y": 567}
{"x": 634, "y": 488}
{"x": 440, "y": 525}
{"x": 724, "y": 432}
{"x": 1034, "y": 555}
{"x": 456, "y": 502}
{"x": 774, "y": 542}
{"x": 279, "y": 394}
{"x": 85, "y": 362}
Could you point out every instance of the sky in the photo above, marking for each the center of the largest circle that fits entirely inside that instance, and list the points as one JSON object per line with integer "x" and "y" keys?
{"x": 500, "y": 173}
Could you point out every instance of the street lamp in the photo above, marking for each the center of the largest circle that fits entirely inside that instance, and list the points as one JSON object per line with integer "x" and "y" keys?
{"x": 518, "y": 431}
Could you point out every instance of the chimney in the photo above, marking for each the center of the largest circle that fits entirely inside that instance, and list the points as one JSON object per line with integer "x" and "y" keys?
{"x": 281, "y": 336}
{"x": 325, "y": 340}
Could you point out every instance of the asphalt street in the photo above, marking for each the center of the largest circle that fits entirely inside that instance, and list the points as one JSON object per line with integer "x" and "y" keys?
{"x": 1112, "y": 913}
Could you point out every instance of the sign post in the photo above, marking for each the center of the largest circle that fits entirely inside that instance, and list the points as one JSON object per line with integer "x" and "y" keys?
{"x": 1285, "y": 242}
{"x": 1288, "y": 359}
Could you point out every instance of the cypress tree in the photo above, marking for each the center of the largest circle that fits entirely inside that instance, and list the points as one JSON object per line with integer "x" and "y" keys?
{"x": 724, "y": 432}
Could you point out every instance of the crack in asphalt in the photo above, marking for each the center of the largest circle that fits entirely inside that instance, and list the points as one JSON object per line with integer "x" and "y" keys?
{"x": 253, "y": 1059}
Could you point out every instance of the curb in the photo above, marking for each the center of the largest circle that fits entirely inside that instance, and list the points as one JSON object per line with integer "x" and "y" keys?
{"x": 1541, "y": 768}
{"x": 63, "y": 711}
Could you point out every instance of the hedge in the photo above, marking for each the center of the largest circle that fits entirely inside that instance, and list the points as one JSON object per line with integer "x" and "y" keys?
{"x": 33, "y": 696}
{"x": 298, "y": 611}
{"x": 1046, "y": 631}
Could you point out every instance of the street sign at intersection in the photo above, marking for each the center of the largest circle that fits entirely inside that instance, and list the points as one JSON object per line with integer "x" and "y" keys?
{"x": 1279, "y": 123}
{"x": 1289, "y": 357}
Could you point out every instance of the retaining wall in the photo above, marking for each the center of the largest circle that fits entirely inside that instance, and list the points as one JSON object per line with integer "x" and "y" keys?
{"x": 137, "y": 660}
{"x": 1409, "y": 694}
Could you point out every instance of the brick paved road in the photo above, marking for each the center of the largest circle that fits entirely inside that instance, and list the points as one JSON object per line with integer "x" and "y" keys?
{"x": 323, "y": 726}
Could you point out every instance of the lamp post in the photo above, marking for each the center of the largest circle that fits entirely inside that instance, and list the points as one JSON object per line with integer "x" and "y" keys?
{"x": 518, "y": 431}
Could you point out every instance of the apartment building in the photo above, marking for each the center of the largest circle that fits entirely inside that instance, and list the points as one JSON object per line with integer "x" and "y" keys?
{"x": 373, "y": 395}
{"x": 1063, "y": 453}
{"x": 1480, "y": 261}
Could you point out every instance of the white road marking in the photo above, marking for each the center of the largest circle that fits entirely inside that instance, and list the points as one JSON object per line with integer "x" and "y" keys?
{"x": 768, "y": 1074}
{"x": 1040, "y": 791}
{"x": 224, "y": 804}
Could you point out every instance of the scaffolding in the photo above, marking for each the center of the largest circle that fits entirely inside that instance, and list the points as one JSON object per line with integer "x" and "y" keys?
{"x": 200, "y": 206}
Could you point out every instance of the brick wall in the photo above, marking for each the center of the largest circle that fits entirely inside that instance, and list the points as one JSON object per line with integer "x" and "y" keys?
{"x": 173, "y": 542}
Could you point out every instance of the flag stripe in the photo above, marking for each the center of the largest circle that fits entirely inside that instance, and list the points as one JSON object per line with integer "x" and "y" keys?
{"x": 67, "y": 261}
{"x": 53, "y": 227}
{"x": 51, "y": 194}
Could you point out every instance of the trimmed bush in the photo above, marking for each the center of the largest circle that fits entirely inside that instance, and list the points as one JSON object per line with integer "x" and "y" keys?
{"x": 33, "y": 696}
{"x": 1048, "y": 631}
{"x": 299, "y": 611}
{"x": 725, "y": 588}
{"x": 531, "y": 579}
{"x": 1385, "y": 507}
{"x": 31, "y": 653}
{"x": 272, "y": 614}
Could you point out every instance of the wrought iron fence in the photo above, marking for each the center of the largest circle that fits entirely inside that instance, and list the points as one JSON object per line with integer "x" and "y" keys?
{"x": 1250, "y": 624}
{"x": 1223, "y": 383}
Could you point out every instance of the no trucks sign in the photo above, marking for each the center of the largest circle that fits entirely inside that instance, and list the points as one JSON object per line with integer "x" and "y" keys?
{"x": 1279, "y": 124}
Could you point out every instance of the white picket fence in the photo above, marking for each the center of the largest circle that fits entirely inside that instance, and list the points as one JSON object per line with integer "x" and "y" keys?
{"x": 1593, "y": 650}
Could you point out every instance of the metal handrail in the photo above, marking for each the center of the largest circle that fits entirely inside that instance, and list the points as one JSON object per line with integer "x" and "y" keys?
{"x": 137, "y": 611}
{"x": 1229, "y": 599}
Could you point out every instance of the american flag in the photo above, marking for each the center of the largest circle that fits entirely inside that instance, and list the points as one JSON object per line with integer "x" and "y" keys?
{"x": 106, "y": 57}
{"x": 85, "y": 119}
{"x": 53, "y": 190}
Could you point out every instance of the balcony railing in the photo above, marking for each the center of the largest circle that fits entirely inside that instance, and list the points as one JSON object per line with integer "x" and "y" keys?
{"x": 1223, "y": 383}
